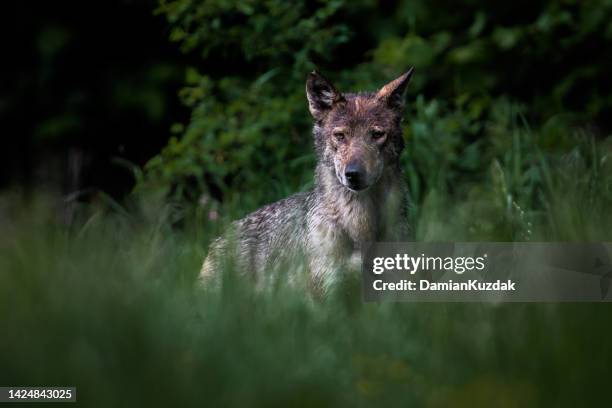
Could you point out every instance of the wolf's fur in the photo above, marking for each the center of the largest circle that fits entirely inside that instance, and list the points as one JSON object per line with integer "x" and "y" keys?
{"x": 329, "y": 225}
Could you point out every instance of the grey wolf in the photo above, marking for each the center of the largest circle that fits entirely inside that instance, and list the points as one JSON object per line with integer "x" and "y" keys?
{"x": 359, "y": 194}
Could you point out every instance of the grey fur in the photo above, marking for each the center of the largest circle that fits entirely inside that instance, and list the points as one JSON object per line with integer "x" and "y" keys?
{"x": 326, "y": 228}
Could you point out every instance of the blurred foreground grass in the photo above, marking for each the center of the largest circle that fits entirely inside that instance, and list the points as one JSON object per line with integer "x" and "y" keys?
{"x": 109, "y": 305}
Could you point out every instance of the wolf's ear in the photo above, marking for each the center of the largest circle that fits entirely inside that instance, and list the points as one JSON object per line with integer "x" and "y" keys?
{"x": 321, "y": 95}
{"x": 394, "y": 92}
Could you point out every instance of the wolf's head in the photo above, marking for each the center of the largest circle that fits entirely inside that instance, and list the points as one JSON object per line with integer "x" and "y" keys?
{"x": 357, "y": 135}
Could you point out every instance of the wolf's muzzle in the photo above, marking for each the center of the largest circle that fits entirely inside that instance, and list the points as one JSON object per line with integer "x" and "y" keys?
{"x": 355, "y": 176}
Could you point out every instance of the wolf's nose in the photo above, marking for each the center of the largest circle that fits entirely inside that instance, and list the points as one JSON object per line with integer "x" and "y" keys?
{"x": 354, "y": 176}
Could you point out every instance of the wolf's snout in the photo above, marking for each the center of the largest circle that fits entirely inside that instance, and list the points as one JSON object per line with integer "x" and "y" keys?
{"x": 355, "y": 176}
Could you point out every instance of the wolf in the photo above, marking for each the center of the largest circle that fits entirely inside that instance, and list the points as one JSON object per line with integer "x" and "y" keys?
{"x": 359, "y": 195}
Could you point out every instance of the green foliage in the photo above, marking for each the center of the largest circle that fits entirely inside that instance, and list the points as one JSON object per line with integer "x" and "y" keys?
{"x": 123, "y": 321}
{"x": 478, "y": 68}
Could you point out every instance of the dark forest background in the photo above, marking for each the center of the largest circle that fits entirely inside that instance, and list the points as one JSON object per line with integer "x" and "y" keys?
{"x": 84, "y": 85}
{"x": 200, "y": 99}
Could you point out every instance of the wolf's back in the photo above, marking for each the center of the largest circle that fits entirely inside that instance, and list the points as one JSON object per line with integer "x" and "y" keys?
{"x": 273, "y": 234}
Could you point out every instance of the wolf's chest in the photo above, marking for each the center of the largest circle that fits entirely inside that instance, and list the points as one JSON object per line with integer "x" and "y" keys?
{"x": 359, "y": 220}
{"x": 342, "y": 234}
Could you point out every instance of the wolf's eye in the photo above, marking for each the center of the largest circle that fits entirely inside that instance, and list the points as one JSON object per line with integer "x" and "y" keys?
{"x": 377, "y": 133}
{"x": 339, "y": 135}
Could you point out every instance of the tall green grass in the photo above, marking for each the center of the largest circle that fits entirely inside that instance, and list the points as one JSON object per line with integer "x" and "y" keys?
{"x": 109, "y": 305}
